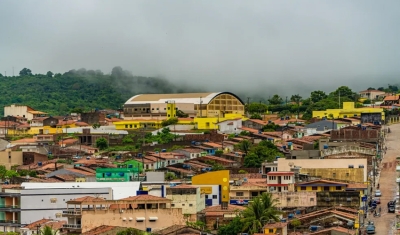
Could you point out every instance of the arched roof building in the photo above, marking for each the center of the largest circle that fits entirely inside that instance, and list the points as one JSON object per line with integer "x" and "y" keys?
{"x": 215, "y": 104}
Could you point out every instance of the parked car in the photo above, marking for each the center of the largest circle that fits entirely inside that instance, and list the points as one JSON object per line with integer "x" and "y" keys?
{"x": 391, "y": 207}
{"x": 378, "y": 193}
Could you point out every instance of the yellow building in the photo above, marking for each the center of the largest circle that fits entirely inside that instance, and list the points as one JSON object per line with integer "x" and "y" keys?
{"x": 215, "y": 178}
{"x": 347, "y": 111}
{"x": 151, "y": 106}
{"x": 205, "y": 123}
{"x": 355, "y": 175}
{"x": 321, "y": 185}
{"x": 276, "y": 228}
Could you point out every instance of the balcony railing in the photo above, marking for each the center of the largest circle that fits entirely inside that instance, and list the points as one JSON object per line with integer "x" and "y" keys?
{"x": 8, "y": 221}
{"x": 9, "y": 206}
{"x": 243, "y": 198}
{"x": 71, "y": 212}
{"x": 73, "y": 226}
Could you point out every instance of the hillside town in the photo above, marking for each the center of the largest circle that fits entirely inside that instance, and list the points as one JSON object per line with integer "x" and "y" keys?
{"x": 202, "y": 163}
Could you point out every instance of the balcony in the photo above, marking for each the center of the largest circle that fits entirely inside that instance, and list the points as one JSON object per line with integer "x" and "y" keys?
{"x": 13, "y": 223}
{"x": 9, "y": 208}
{"x": 243, "y": 198}
{"x": 71, "y": 212}
{"x": 72, "y": 226}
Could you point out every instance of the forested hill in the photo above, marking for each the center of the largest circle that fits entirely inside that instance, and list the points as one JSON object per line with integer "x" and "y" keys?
{"x": 59, "y": 94}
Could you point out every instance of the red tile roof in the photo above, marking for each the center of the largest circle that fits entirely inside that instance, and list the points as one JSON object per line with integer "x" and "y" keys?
{"x": 34, "y": 224}
{"x": 87, "y": 199}
{"x": 145, "y": 198}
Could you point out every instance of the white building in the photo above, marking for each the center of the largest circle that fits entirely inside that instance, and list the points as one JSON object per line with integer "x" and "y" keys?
{"x": 22, "y": 111}
{"x": 280, "y": 181}
{"x": 230, "y": 126}
{"x": 119, "y": 189}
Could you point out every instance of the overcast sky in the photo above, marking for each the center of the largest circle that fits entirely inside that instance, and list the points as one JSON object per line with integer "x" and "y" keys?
{"x": 229, "y": 45}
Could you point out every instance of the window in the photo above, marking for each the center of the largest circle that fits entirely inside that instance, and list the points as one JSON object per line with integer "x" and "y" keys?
{"x": 165, "y": 109}
{"x": 183, "y": 204}
{"x": 169, "y": 115}
{"x": 303, "y": 188}
{"x": 130, "y": 126}
{"x": 135, "y": 109}
{"x": 157, "y": 108}
{"x": 53, "y": 200}
{"x": 338, "y": 187}
{"x": 314, "y": 188}
{"x": 351, "y": 166}
{"x": 152, "y": 108}
{"x": 190, "y": 204}
{"x": 134, "y": 126}
{"x": 215, "y": 197}
{"x": 206, "y": 196}
{"x": 285, "y": 188}
{"x": 271, "y": 230}
{"x": 347, "y": 174}
{"x": 334, "y": 175}
{"x": 239, "y": 194}
{"x": 58, "y": 215}
{"x": 172, "y": 205}
{"x": 126, "y": 126}
{"x": 311, "y": 199}
{"x": 360, "y": 166}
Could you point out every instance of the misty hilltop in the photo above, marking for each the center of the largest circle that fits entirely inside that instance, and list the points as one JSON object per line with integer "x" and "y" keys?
{"x": 80, "y": 89}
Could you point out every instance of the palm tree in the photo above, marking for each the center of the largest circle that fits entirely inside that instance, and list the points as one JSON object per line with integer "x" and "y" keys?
{"x": 244, "y": 146}
{"x": 261, "y": 210}
{"x": 47, "y": 230}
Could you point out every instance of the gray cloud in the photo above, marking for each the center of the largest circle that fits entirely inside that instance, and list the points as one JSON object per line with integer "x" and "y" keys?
{"x": 249, "y": 46}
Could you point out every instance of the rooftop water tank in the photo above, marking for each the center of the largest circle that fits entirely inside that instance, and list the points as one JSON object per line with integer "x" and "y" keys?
{"x": 326, "y": 146}
{"x": 39, "y": 164}
{"x": 130, "y": 166}
{"x": 163, "y": 150}
{"x": 289, "y": 143}
{"x": 139, "y": 154}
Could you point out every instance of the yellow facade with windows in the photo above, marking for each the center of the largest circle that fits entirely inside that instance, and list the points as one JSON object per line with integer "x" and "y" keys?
{"x": 215, "y": 178}
{"x": 38, "y": 130}
{"x": 213, "y": 104}
{"x": 205, "y": 123}
{"x": 347, "y": 111}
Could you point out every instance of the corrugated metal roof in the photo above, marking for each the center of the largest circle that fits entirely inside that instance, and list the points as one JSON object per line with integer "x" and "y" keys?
{"x": 191, "y": 98}
{"x": 120, "y": 189}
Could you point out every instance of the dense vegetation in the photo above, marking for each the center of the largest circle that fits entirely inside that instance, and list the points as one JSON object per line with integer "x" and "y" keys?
{"x": 318, "y": 100}
{"x": 79, "y": 90}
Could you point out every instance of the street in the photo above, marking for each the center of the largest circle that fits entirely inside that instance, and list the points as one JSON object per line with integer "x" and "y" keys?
{"x": 387, "y": 181}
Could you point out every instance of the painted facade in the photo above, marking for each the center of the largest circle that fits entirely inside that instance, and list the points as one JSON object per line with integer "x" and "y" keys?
{"x": 347, "y": 111}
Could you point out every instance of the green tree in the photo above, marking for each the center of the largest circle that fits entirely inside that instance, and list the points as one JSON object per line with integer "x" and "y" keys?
{"x": 244, "y": 146}
{"x": 170, "y": 176}
{"x": 233, "y": 228}
{"x": 295, "y": 223}
{"x": 256, "y": 108}
{"x": 317, "y": 96}
{"x": 275, "y": 100}
{"x": 256, "y": 116}
{"x": 260, "y": 211}
{"x": 49, "y": 74}
{"x": 127, "y": 140}
{"x": 371, "y": 88}
{"x": 96, "y": 125}
{"x": 131, "y": 231}
{"x": 171, "y": 121}
{"x": 367, "y": 101}
{"x": 25, "y": 72}
{"x": 47, "y": 230}
{"x": 219, "y": 153}
{"x": 102, "y": 143}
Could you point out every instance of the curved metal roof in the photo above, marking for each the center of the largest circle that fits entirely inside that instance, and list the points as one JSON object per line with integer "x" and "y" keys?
{"x": 190, "y": 98}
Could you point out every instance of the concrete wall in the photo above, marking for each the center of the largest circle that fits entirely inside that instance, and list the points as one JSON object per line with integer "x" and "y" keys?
{"x": 346, "y": 149}
{"x": 189, "y": 203}
{"x": 10, "y": 158}
{"x": 305, "y": 154}
{"x": 355, "y": 175}
{"x": 17, "y": 110}
{"x": 355, "y": 135}
{"x": 284, "y": 164}
{"x": 36, "y": 203}
{"x": 166, "y": 218}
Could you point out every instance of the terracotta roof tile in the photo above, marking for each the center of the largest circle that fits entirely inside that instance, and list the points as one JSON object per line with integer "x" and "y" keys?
{"x": 87, "y": 199}
{"x": 100, "y": 230}
{"x": 33, "y": 225}
{"x": 145, "y": 198}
